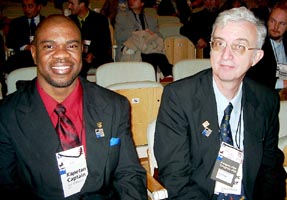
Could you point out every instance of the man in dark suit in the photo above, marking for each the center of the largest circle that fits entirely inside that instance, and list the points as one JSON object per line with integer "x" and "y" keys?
{"x": 95, "y": 34}
{"x": 20, "y": 35}
{"x": 193, "y": 161}
{"x": 198, "y": 28}
{"x": 275, "y": 50}
{"x": 33, "y": 162}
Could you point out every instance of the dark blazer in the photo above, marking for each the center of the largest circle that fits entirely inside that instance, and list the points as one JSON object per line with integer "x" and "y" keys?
{"x": 19, "y": 33}
{"x": 186, "y": 157}
{"x": 29, "y": 143}
{"x": 96, "y": 29}
{"x": 18, "y": 36}
{"x": 264, "y": 71}
{"x": 194, "y": 29}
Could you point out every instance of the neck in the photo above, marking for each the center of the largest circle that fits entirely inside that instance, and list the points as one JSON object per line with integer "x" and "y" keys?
{"x": 83, "y": 13}
{"x": 228, "y": 89}
{"x": 137, "y": 11}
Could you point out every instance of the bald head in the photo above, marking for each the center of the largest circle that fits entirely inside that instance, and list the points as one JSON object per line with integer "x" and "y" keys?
{"x": 55, "y": 22}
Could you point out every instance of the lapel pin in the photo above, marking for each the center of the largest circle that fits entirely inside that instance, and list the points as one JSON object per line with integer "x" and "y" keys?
{"x": 99, "y": 131}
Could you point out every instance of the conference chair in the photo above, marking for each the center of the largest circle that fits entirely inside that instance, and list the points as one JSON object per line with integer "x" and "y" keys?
{"x": 178, "y": 48}
{"x": 188, "y": 67}
{"x": 18, "y": 77}
{"x": 120, "y": 72}
{"x": 144, "y": 98}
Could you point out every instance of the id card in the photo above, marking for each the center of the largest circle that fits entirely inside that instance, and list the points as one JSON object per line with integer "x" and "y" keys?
{"x": 227, "y": 171}
{"x": 72, "y": 170}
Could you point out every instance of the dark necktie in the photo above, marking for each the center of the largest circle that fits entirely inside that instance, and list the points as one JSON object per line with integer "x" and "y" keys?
{"x": 32, "y": 27}
{"x": 226, "y": 136}
{"x": 225, "y": 129}
{"x": 66, "y": 129}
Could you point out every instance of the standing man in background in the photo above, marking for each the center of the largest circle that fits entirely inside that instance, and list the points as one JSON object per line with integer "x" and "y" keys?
{"x": 216, "y": 134}
{"x": 95, "y": 35}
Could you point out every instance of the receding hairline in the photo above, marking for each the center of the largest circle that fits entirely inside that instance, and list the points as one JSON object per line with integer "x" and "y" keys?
{"x": 56, "y": 19}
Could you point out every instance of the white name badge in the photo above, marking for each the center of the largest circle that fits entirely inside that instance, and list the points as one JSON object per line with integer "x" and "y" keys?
{"x": 72, "y": 169}
{"x": 227, "y": 171}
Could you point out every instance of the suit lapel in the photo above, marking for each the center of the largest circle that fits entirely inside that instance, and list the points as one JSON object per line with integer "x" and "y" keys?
{"x": 207, "y": 111}
{"x": 96, "y": 113}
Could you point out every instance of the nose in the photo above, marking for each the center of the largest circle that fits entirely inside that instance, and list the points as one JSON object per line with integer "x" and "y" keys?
{"x": 61, "y": 53}
{"x": 227, "y": 53}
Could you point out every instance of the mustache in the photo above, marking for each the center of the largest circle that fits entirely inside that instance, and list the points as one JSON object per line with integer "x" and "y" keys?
{"x": 62, "y": 61}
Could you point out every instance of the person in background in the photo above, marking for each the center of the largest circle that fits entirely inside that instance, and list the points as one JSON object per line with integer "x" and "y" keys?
{"x": 179, "y": 8}
{"x": 135, "y": 22}
{"x": 228, "y": 4}
{"x": 275, "y": 50}
{"x": 262, "y": 11}
{"x": 198, "y": 31}
{"x": 37, "y": 160}
{"x": 216, "y": 135}
{"x": 20, "y": 35}
{"x": 95, "y": 34}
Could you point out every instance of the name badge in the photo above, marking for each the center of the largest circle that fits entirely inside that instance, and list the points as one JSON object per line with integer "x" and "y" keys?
{"x": 227, "y": 171}
{"x": 72, "y": 170}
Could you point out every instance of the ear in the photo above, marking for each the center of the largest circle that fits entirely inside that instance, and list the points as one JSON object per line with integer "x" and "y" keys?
{"x": 258, "y": 55}
{"x": 33, "y": 52}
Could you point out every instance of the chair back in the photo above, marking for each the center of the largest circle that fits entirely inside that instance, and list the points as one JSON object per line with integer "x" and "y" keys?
{"x": 21, "y": 74}
{"x": 120, "y": 72}
{"x": 169, "y": 29}
{"x": 282, "y": 125}
{"x": 178, "y": 48}
{"x": 185, "y": 68}
{"x": 144, "y": 98}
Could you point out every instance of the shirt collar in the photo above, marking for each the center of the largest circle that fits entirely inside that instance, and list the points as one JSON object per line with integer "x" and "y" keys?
{"x": 84, "y": 18}
{"x": 71, "y": 103}
{"x": 222, "y": 102}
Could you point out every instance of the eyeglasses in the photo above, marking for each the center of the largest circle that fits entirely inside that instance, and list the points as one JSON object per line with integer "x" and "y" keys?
{"x": 237, "y": 47}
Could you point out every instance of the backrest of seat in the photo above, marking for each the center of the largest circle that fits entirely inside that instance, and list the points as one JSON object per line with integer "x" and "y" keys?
{"x": 170, "y": 29}
{"x": 282, "y": 125}
{"x": 21, "y": 74}
{"x": 178, "y": 48}
{"x": 150, "y": 140}
{"x": 144, "y": 98}
{"x": 189, "y": 67}
{"x": 120, "y": 72}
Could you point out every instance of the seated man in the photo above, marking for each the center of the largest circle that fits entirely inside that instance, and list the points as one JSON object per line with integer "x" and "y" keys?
{"x": 135, "y": 22}
{"x": 21, "y": 34}
{"x": 95, "y": 34}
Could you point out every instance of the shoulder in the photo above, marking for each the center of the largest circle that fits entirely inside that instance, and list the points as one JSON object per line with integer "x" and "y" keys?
{"x": 18, "y": 20}
{"x": 96, "y": 93}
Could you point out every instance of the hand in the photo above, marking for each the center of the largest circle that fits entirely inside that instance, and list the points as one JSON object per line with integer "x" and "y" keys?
{"x": 201, "y": 43}
{"x": 89, "y": 58}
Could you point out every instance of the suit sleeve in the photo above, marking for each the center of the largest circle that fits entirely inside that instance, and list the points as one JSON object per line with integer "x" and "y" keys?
{"x": 270, "y": 182}
{"x": 172, "y": 149}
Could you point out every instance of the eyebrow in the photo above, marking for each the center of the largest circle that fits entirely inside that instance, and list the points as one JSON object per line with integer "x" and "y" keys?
{"x": 52, "y": 41}
{"x": 238, "y": 39}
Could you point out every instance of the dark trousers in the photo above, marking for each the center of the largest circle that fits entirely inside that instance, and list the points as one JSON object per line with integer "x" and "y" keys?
{"x": 158, "y": 60}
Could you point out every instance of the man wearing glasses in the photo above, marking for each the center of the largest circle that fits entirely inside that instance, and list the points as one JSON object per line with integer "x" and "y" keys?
{"x": 216, "y": 134}
{"x": 275, "y": 50}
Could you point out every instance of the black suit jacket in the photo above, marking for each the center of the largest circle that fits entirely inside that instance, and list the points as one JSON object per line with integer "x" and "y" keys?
{"x": 96, "y": 29}
{"x": 264, "y": 71}
{"x": 18, "y": 36}
{"x": 29, "y": 143}
{"x": 186, "y": 157}
{"x": 19, "y": 33}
